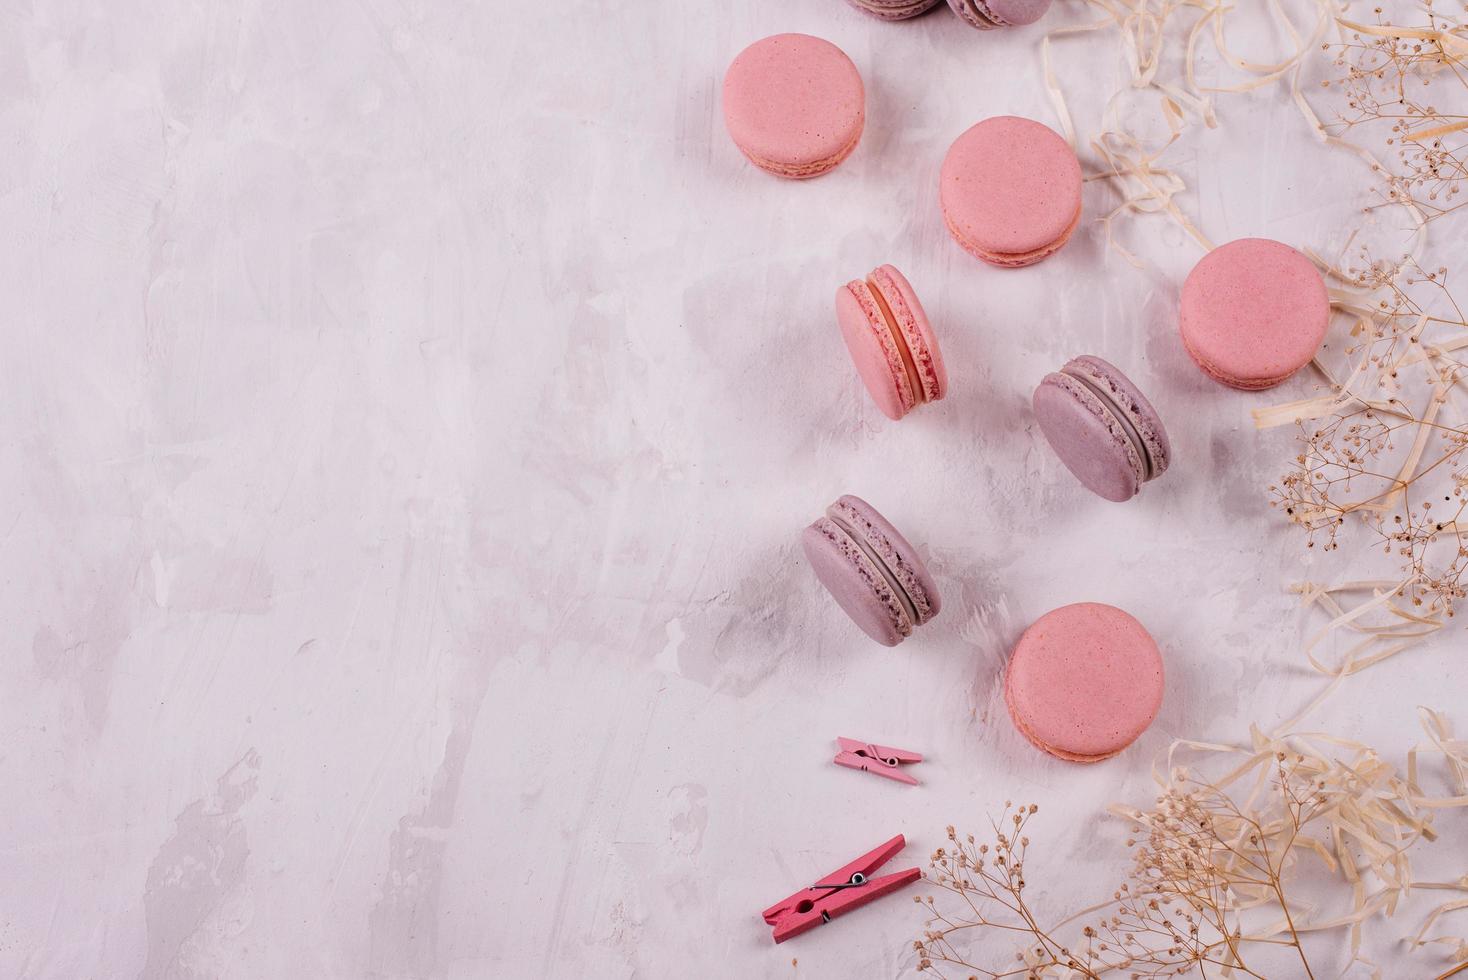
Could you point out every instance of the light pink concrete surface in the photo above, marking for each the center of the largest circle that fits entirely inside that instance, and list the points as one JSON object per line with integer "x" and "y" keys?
{"x": 409, "y": 413}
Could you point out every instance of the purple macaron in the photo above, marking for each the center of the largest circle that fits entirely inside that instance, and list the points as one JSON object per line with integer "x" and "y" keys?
{"x": 870, "y": 570}
{"x": 1102, "y": 427}
{"x": 989, "y": 14}
{"x": 895, "y": 9}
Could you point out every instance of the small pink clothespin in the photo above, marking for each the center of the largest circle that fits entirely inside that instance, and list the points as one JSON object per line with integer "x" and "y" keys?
{"x": 878, "y": 759}
{"x": 839, "y": 892}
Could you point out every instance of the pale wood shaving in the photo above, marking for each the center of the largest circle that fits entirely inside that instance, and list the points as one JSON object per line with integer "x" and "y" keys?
{"x": 1311, "y": 797}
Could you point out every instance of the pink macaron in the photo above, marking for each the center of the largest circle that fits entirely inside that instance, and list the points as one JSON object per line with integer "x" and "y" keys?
{"x": 989, "y": 14}
{"x": 794, "y": 105}
{"x": 870, "y": 570}
{"x": 1253, "y": 313}
{"x": 1084, "y": 682}
{"x": 891, "y": 341}
{"x": 1011, "y": 191}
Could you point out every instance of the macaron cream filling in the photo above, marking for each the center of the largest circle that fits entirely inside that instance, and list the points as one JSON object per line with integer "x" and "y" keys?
{"x": 899, "y": 340}
{"x": 1122, "y": 416}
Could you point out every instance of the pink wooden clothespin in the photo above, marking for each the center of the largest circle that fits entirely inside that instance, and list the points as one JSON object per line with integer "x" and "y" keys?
{"x": 839, "y": 892}
{"x": 881, "y": 760}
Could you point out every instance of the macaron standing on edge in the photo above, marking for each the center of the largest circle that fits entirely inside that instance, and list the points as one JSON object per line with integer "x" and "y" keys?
{"x": 1011, "y": 191}
{"x": 794, "y": 105}
{"x": 895, "y": 9}
{"x": 1102, "y": 427}
{"x": 1084, "y": 682}
{"x": 891, "y": 341}
{"x": 870, "y": 570}
{"x": 1253, "y": 312}
{"x": 989, "y": 14}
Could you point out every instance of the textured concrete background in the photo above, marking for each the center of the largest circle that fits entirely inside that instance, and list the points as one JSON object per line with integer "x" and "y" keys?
{"x": 408, "y": 414}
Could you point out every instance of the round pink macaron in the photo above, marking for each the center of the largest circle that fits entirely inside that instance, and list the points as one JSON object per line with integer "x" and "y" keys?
{"x": 794, "y": 105}
{"x": 1011, "y": 191}
{"x": 1253, "y": 313}
{"x": 891, "y": 341}
{"x": 1084, "y": 682}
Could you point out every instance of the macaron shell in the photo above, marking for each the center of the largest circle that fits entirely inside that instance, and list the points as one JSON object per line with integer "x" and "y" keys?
{"x": 794, "y": 104}
{"x": 1018, "y": 261}
{"x": 900, "y": 557}
{"x": 1016, "y": 13}
{"x": 1011, "y": 190}
{"x": 1231, "y": 381}
{"x": 858, "y": 587}
{"x": 1143, "y": 417}
{"x": 1084, "y": 681}
{"x": 1035, "y": 740}
{"x": 1253, "y": 312}
{"x": 917, "y": 331}
{"x": 1202, "y": 358}
{"x": 873, "y": 350}
{"x": 1088, "y": 438}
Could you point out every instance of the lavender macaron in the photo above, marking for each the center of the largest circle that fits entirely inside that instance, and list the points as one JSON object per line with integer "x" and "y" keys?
{"x": 989, "y": 14}
{"x": 1102, "y": 427}
{"x": 895, "y": 9}
{"x": 870, "y": 570}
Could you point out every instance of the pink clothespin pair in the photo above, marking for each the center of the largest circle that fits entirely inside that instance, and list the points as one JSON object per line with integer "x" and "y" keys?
{"x": 839, "y": 892}
{"x": 881, "y": 760}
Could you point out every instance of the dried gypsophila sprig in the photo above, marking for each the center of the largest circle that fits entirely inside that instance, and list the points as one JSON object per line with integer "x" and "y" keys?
{"x": 1176, "y": 915}
{"x": 1384, "y": 67}
{"x": 1406, "y": 86}
{"x": 1225, "y": 841}
{"x": 1388, "y": 442}
{"x": 1405, "y": 369}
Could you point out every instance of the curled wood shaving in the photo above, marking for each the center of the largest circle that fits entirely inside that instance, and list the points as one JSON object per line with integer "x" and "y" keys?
{"x": 1397, "y": 629}
{"x": 1374, "y": 814}
{"x": 1363, "y": 818}
{"x": 1147, "y": 33}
